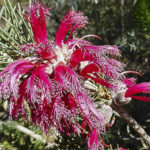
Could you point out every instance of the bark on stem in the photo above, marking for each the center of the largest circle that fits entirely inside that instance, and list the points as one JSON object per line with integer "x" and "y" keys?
{"x": 132, "y": 123}
{"x": 123, "y": 114}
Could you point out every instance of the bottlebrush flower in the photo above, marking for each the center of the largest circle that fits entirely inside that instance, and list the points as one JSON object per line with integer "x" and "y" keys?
{"x": 51, "y": 80}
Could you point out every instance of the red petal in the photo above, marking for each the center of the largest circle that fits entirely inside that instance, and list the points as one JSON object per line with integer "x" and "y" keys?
{"x": 38, "y": 22}
{"x": 93, "y": 138}
{"x": 139, "y": 88}
{"x": 78, "y": 56}
{"x": 72, "y": 103}
{"x": 142, "y": 98}
{"x": 129, "y": 82}
{"x": 71, "y": 22}
{"x": 100, "y": 81}
{"x": 89, "y": 69}
{"x": 93, "y": 69}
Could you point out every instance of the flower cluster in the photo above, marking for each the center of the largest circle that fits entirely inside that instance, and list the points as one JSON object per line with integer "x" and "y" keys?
{"x": 51, "y": 81}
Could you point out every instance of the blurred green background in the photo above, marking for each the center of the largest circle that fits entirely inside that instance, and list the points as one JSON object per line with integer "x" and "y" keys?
{"x": 125, "y": 23}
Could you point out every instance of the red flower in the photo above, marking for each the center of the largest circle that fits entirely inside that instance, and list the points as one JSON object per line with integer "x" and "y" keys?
{"x": 137, "y": 89}
{"x": 132, "y": 90}
{"x": 38, "y": 22}
{"x": 52, "y": 80}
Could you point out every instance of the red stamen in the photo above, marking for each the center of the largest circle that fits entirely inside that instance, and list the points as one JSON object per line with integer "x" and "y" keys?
{"x": 125, "y": 72}
{"x": 101, "y": 140}
{"x": 84, "y": 131}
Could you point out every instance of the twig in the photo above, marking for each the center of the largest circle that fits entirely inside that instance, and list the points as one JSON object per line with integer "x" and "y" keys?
{"x": 132, "y": 123}
{"x": 30, "y": 133}
{"x": 26, "y": 131}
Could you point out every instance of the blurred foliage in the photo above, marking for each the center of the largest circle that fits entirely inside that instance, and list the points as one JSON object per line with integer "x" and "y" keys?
{"x": 71, "y": 143}
{"x": 142, "y": 14}
{"x": 12, "y": 139}
{"x": 122, "y": 23}
{"x": 14, "y": 32}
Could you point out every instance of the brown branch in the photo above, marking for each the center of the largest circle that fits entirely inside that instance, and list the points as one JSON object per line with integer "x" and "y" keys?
{"x": 119, "y": 99}
{"x": 132, "y": 123}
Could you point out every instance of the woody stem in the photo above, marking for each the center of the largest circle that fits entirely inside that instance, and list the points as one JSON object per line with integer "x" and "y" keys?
{"x": 132, "y": 123}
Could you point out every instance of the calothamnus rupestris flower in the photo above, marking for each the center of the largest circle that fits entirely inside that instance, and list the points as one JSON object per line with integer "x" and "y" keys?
{"x": 51, "y": 80}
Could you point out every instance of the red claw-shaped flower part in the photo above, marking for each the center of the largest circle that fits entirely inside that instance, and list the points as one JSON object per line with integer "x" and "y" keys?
{"x": 71, "y": 22}
{"x": 51, "y": 78}
{"x": 129, "y": 82}
{"x": 38, "y": 22}
{"x": 138, "y": 89}
{"x": 93, "y": 142}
